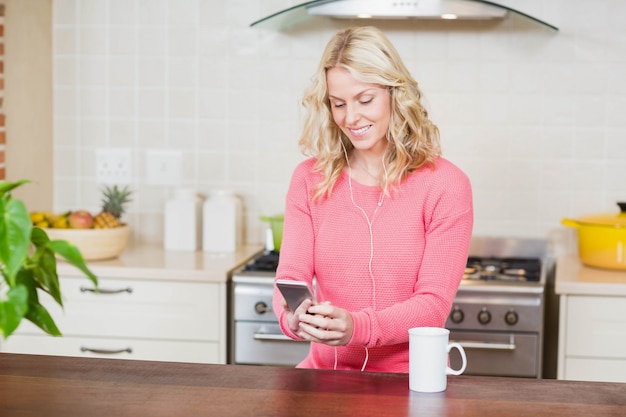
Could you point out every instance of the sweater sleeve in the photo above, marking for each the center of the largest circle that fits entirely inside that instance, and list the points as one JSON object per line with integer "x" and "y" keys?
{"x": 296, "y": 259}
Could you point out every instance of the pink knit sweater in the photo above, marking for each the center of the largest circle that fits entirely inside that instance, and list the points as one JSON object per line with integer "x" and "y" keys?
{"x": 418, "y": 248}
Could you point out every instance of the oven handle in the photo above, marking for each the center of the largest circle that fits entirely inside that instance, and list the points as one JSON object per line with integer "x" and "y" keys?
{"x": 273, "y": 337}
{"x": 470, "y": 344}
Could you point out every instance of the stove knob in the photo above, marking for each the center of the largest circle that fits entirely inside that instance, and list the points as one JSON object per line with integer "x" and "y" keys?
{"x": 511, "y": 318}
{"x": 261, "y": 307}
{"x": 457, "y": 315}
{"x": 484, "y": 316}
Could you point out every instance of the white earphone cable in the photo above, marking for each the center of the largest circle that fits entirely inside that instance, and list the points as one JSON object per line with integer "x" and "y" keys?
{"x": 371, "y": 233}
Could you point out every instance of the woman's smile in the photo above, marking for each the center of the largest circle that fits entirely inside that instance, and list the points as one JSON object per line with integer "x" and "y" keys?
{"x": 360, "y": 131}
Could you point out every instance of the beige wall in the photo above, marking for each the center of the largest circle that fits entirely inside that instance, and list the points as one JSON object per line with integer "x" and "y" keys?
{"x": 28, "y": 99}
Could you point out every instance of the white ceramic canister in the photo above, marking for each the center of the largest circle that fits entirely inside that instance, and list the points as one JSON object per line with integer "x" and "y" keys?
{"x": 222, "y": 222}
{"x": 183, "y": 221}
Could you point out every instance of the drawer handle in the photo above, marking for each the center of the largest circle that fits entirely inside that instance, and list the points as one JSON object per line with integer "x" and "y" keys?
{"x": 105, "y": 291}
{"x": 274, "y": 337}
{"x": 105, "y": 351}
{"x": 489, "y": 346}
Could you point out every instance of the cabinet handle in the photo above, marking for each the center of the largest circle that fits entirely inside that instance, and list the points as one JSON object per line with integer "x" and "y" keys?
{"x": 468, "y": 344}
{"x": 492, "y": 346}
{"x": 106, "y": 291}
{"x": 274, "y": 337}
{"x": 105, "y": 351}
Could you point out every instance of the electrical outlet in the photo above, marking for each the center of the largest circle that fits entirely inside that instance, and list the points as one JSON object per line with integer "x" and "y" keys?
{"x": 113, "y": 166}
{"x": 164, "y": 167}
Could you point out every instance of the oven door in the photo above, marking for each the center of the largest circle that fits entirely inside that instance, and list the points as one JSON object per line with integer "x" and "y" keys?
{"x": 259, "y": 343}
{"x": 497, "y": 354}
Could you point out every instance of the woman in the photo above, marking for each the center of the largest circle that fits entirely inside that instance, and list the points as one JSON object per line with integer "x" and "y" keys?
{"x": 375, "y": 220}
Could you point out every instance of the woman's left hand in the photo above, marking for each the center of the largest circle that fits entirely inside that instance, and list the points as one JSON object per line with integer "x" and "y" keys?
{"x": 326, "y": 324}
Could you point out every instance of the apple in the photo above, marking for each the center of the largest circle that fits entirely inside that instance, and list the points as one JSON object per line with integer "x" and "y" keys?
{"x": 80, "y": 219}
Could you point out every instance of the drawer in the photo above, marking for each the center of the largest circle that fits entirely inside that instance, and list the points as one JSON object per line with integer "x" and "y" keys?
{"x": 139, "y": 309}
{"x": 484, "y": 357}
{"x": 596, "y": 327}
{"x": 260, "y": 343}
{"x": 153, "y": 350}
{"x": 583, "y": 369}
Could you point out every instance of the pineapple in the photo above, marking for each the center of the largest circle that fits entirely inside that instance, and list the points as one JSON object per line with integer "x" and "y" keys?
{"x": 113, "y": 206}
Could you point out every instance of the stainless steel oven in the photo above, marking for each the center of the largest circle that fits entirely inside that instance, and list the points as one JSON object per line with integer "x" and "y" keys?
{"x": 255, "y": 337}
{"x": 501, "y": 333}
{"x": 497, "y": 315}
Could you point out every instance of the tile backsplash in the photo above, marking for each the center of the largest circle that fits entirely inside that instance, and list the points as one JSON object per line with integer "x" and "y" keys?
{"x": 534, "y": 116}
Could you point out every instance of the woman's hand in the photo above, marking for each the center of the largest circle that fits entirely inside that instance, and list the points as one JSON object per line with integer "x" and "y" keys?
{"x": 293, "y": 317}
{"x": 325, "y": 323}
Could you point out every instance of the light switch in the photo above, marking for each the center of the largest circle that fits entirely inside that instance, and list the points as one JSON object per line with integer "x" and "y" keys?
{"x": 164, "y": 167}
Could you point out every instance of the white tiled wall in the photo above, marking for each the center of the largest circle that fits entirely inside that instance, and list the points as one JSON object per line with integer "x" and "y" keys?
{"x": 535, "y": 117}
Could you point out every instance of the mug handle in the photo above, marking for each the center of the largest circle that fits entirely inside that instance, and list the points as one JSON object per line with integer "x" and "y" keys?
{"x": 450, "y": 371}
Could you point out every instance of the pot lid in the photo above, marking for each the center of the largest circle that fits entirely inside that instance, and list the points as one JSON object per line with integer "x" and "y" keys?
{"x": 605, "y": 219}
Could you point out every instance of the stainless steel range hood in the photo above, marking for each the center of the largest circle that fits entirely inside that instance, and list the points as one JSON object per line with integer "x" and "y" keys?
{"x": 420, "y": 9}
{"x": 392, "y": 9}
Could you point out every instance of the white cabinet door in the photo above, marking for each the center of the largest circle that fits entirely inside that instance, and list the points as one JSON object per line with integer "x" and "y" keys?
{"x": 592, "y": 338}
{"x": 585, "y": 369}
{"x": 138, "y": 309}
{"x": 153, "y": 350}
{"x": 596, "y": 327}
{"x": 174, "y": 320}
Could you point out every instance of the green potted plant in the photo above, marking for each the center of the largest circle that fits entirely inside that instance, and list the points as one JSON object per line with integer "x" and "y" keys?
{"x": 28, "y": 265}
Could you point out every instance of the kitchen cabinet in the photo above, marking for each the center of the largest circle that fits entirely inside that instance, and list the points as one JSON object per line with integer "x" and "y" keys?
{"x": 151, "y": 305}
{"x": 133, "y": 319}
{"x": 592, "y": 322}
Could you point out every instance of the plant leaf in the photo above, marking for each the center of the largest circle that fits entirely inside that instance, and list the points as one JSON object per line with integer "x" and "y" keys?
{"x": 6, "y": 187}
{"x": 45, "y": 269}
{"x": 26, "y": 279}
{"x": 39, "y": 316}
{"x": 13, "y": 309}
{"x": 72, "y": 255}
{"x": 44, "y": 272}
{"x": 39, "y": 237}
{"x": 15, "y": 231}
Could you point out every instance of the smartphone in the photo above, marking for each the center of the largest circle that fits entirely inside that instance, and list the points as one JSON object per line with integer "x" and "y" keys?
{"x": 294, "y": 292}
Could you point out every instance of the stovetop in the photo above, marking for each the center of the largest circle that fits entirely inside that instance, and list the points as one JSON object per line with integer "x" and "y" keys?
{"x": 267, "y": 262}
{"x": 503, "y": 269}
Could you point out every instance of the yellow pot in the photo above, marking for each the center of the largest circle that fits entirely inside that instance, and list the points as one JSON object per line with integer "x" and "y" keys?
{"x": 601, "y": 239}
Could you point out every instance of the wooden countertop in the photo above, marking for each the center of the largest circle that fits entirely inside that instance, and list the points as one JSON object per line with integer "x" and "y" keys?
{"x": 574, "y": 278}
{"x": 154, "y": 263}
{"x": 80, "y": 387}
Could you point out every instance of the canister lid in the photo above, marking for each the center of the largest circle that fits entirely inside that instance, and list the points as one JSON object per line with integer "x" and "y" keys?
{"x": 185, "y": 194}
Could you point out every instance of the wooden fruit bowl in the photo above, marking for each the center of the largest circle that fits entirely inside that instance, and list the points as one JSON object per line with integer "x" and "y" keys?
{"x": 94, "y": 244}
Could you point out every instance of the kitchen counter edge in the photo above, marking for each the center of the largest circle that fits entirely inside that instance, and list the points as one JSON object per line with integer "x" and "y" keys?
{"x": 575, "y": 278}
{"x": 153, "y": 262}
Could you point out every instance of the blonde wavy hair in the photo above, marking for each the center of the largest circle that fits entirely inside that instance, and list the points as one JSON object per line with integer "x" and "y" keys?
{"x": 371, "y": 58}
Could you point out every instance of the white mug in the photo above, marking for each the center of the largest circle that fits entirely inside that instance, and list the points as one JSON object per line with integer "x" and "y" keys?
{"x": 428, "y": 359}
